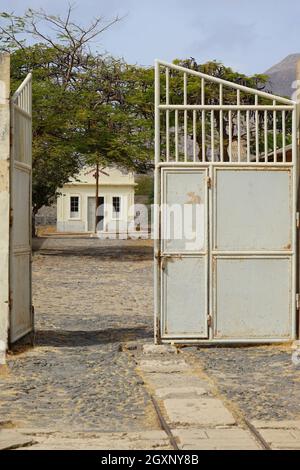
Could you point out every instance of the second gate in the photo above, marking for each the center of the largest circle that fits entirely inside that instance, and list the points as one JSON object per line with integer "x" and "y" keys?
{"x": 226, "y": 183}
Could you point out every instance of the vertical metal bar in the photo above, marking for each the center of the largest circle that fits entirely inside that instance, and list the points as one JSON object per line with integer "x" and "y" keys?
{"x": 157, "y": 113}
{"x": 266, "y": 134}
{"x": 202, "y": 91}
{"x": 185, "y": 114}
{"x": 256, "y": 131}
{"x": 212, "y": 135}
{"x": 167, "y": 116}
{"x": 176, "y": 136}
{"x": 294, "y": 203}
{"x": 275, "y": 132}
{"x": 194, "y": 135}
{"x": 27, "y": 98}
{"x": 239, "y": 125}
{"x": 203, "y": 119}
{"x": 30, "y": 101}
{"x": 230, "y": 135}
{"x": 156, "y": 205}
{"x": 248, "y": 134}
{"x": 283, "y": 137}
{"x": 221, "y": 124}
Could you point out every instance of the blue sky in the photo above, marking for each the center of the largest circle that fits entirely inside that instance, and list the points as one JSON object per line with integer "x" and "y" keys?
{"x": 248, "y": 35}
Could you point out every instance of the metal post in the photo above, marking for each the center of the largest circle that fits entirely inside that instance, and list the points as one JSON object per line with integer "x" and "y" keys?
{"x": 156, "y": 218}
{"x": 296, "y": 172}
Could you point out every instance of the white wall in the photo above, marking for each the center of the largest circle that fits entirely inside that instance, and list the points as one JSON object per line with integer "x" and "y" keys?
{"x": 66, "y": 224}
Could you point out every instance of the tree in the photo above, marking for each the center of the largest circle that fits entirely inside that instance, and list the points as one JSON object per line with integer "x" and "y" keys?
{"x": 86, "y": 106}
{"x": 58, "y": 63}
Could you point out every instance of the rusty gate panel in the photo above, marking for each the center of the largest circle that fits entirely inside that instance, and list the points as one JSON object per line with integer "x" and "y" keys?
{"x": 184, "y": 298}
{"x": 252, "y": 298}
{"x": 184, "y": 253}
{"x": 183, "y": 190}
{"x": 252, "y": 209}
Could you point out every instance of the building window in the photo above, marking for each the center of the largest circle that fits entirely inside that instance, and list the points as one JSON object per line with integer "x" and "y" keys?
{"x": 74, "y": 207}
{"x": 116, "y": 206}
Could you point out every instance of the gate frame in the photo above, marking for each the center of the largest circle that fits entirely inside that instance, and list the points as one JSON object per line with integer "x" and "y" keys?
{"x": 210, "y": 166}
{"x": 21, "y": 104}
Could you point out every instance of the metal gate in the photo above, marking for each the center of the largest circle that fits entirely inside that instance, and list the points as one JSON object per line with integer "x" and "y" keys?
{"x": 21, "y": 314}
{"x": 226, "y": 180}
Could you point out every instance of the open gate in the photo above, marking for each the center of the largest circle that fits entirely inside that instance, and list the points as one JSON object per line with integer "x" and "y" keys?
{"x": 21, "y": 312}
{"x": 226, "y": 181}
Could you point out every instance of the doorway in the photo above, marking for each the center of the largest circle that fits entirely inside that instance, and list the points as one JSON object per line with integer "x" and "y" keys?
{"x": 91, "y": 213}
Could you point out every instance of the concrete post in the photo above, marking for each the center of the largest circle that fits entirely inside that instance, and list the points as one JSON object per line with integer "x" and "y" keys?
{"x": 4, "y": 201}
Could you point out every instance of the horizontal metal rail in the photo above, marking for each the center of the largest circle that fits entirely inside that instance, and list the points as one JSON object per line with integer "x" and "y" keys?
{"x": 224, "y": 107}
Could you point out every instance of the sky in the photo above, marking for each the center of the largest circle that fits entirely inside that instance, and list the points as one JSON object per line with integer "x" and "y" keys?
{"x": 248, "y": 35}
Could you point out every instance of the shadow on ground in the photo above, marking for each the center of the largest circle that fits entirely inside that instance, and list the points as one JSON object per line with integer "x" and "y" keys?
{"x": 78, "y": 339}
{"x": 121, "y": 250}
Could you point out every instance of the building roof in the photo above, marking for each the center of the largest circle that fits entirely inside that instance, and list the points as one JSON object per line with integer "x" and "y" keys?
{"x": 110, "y": 176}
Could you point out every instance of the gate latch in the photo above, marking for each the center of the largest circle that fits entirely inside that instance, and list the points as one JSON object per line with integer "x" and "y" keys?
{"x": 209, "y": 320}
{"x": 209, "y": 184}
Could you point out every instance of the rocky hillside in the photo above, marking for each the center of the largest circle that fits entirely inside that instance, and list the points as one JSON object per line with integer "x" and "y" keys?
{"x": 282, "y": 76}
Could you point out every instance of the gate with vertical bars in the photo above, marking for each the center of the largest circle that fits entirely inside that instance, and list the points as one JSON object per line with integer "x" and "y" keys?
{"x": 228, "y": 154}
{"x": 21, "y": 311}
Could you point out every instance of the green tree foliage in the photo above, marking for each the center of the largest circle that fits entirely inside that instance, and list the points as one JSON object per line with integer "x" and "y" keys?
{"x": 84, "y": 105}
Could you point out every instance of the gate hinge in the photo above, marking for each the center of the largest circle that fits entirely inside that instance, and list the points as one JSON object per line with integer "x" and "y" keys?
{"x": 297, "y": 302}
{"x": 11, "y": 217}
{"x": 209, "y": 320}
{"x": 209, "y": 183}
{"x": 10, "y": 301}
{"x": 297, "y": 219}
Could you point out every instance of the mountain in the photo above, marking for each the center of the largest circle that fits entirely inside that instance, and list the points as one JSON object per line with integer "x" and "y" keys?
{"x": 282, "y": 75}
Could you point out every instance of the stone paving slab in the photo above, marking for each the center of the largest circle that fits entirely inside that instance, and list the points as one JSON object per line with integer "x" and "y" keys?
{"x": 200, "y": 412}
{"x": 168, "y": 367}
{"x": 284, "y": 424}
{"x": 173, "y": 392}
{"x": 148, "y": 440}
{"x": 12, "y": 439}
{"x": 215, "y": 439}
{"x": 161, "y": 349}
{"x": 282, "y": 438}
{"x": 182, "y": 379}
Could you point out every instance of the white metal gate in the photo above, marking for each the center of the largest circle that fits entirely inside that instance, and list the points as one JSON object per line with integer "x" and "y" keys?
{"x": 231, "y": 155}
{"x": 21, "y": 312}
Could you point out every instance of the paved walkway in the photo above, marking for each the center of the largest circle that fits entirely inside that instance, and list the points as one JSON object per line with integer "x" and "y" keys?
{"x": 88, "y": 382}
{"x": 197, "y": 416}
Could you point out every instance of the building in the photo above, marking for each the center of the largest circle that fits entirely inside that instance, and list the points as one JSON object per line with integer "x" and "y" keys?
{"x": 76, "y": 202}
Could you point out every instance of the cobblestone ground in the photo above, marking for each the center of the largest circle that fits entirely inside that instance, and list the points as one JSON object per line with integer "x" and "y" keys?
{"x": 262, "y": 381}
{"x": 90, "y": 296}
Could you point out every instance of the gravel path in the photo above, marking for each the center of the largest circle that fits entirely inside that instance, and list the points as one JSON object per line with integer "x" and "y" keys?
{"x": 90, "y": 297}
{"x": 262, "y": 381}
